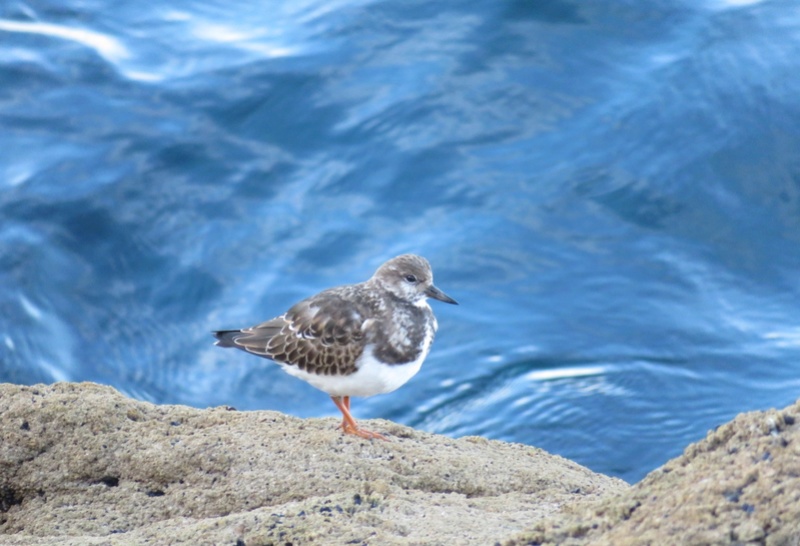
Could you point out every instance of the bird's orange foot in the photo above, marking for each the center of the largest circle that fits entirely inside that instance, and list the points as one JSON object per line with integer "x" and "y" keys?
{"x": 349, "y": 425}
{"x": 362, "y": 433}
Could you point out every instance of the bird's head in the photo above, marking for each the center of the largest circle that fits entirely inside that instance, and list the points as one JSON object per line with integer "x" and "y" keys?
{"x": 410, "y": 278}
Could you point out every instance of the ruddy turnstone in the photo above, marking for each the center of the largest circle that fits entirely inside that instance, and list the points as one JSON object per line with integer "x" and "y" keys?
{"x": 353, "y": 340}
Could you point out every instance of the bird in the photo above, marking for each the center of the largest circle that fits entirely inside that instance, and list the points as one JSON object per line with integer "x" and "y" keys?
{"x": 355, "y": 340}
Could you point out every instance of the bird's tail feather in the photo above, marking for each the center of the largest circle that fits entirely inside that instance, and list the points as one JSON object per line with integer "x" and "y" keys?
{"x": 226, "y": 338}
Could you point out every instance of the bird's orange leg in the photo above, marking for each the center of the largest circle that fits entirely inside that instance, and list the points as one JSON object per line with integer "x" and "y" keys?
{"x": 346, "y": 404}
{"x": 349, "y": 425}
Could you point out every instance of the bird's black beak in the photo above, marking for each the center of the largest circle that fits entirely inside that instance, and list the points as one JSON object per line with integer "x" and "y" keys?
{"x": 435, "y": 293}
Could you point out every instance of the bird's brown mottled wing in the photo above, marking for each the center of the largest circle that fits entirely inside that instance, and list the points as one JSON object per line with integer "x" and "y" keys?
{"x": 321, "y": 335}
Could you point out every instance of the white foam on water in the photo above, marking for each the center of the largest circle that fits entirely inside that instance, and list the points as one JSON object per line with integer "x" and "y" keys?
{"x": 106, "y": 46}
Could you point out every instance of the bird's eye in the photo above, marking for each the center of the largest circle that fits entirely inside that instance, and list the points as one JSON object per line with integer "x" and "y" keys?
{"x": 411, "y": 278}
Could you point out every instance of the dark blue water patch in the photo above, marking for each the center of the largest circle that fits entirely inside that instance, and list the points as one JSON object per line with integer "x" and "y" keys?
{"x": 280, "y": 112}
{"x": 185, "y": 292}
{"x": 550, "y": 12}
{"x": 325, "y": 252}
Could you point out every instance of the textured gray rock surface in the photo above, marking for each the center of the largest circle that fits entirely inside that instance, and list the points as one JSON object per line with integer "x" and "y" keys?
{"x": 740, "y": 485}
{"x": 82, "y": 464}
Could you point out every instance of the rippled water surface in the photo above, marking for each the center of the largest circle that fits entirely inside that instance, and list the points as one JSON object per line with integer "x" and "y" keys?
{"x": 610, "y": 189}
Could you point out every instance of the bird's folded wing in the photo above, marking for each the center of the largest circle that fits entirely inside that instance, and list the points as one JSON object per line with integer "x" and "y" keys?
{"x": 318, "y": 335}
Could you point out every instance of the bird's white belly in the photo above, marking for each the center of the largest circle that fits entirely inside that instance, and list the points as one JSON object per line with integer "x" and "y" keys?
{"x": 371, "y": 378}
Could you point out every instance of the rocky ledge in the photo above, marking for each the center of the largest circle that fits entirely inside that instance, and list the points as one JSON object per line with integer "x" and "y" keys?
{"x": 82, "y": 464}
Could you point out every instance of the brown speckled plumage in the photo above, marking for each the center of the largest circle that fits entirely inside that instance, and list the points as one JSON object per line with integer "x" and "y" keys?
{"x": 322, "y": 334}
{"x": 326, "y": 333}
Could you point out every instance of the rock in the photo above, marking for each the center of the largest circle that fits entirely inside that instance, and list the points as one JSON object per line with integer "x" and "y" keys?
{"x": 740, "y": 485}
{"x": 82, "y": 464}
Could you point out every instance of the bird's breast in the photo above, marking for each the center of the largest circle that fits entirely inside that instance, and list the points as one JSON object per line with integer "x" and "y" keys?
{"x": 403, "y": 336}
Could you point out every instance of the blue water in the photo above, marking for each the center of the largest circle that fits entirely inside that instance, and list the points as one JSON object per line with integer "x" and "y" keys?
{"x": 610, "y": 189}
